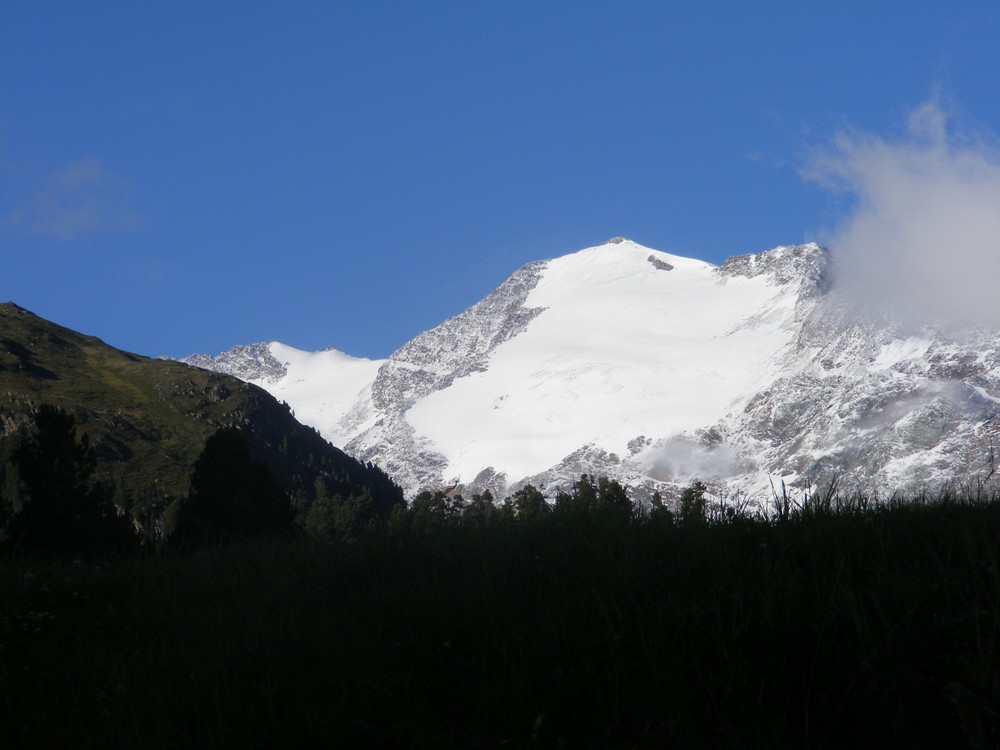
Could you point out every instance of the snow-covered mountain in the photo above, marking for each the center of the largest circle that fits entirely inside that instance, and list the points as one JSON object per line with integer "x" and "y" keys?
{"x": 654, "y": 369}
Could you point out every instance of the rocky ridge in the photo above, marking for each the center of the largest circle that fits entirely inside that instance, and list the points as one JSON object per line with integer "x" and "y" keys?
{"x": 253, "y": 363}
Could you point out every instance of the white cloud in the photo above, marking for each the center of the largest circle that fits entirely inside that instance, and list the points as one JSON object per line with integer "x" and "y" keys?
{"x": 82, "y": 199}
{"x": 923, "y": 240}
{"x": 682, "y": 458}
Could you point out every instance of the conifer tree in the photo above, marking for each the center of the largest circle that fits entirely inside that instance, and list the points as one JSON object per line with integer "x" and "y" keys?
{"x": 529, "y": 503}
{"x": 432, "y": 509}
{"x": 231, "y": 495}
{"x": 611, "y": 494}
{"x": 481, "y": 510}
{"x": 590, "y": 495}
{"x": 63, "y": 510}
{"x": 692, "y": 506}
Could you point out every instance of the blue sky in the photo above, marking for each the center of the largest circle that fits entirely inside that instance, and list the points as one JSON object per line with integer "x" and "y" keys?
{"x": 182, "y": 177}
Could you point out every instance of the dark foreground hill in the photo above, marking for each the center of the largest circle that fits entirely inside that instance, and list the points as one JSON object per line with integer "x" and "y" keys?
{"x": 148, "y": 419}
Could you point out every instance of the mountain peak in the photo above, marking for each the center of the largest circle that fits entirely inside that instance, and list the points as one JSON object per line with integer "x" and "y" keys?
{"x": 255, "y": 362}
{"x": 615, "y": 261}
{"x": 655, "y": 370}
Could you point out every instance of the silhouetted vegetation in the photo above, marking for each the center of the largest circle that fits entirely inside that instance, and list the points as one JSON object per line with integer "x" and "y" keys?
{"x": 824, "y": 623}
{"x": 231, "y": 496}
{"x": 50, "y": 503}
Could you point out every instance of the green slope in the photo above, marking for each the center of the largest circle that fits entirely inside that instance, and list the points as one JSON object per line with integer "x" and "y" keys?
{"x": 148, "y": 419}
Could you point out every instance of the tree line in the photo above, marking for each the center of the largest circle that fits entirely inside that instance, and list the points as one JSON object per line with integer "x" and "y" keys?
{"x": 52, "y": 504}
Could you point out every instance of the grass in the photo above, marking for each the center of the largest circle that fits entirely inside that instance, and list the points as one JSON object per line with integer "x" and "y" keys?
{"x": 844, "y": 624}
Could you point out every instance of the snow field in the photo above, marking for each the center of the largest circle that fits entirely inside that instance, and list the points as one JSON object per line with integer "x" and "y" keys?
{"x": 622, "y": 349}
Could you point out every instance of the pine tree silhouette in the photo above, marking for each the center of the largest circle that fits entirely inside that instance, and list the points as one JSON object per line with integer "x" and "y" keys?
{"x": 63, "y": 510}
{"x": 231, "y": 495}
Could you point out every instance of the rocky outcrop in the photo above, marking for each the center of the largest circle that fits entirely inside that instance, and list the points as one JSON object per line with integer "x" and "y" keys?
{"x": 250, "y": 363}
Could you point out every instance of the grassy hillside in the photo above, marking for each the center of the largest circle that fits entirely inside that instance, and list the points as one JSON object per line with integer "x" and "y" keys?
{"x": 148, "y": 419}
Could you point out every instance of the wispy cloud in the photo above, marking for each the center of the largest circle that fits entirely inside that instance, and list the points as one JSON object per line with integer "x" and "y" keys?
{"x": 681, "y": 457}
{"x": 84, "y": 198}
{"x": 923, "y": 240}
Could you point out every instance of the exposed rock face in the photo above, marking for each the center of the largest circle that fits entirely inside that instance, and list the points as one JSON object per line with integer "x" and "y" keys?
{"x": 459, "y": 346}
{"x": 660, "y": 265}
{"x": 250, "y": 363}
{"x": 804, "y": 264}
{"x": 743, "y": 375}
{"x": 878, "y": 408}
{"x": 431, "y": 362}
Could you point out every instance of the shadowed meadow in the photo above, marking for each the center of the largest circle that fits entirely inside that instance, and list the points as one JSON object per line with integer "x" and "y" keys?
{"x": 823, "y": 624}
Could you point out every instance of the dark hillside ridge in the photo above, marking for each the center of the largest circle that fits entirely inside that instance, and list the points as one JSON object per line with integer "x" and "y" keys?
{"x": 148, "y": 419}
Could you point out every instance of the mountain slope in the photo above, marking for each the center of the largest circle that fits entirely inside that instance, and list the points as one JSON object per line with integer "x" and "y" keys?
{"x": 891, "y": 405}
{"x": 148, "y": 419}
{"x": 656, "y": 369}
{"x": 323, "y": 385}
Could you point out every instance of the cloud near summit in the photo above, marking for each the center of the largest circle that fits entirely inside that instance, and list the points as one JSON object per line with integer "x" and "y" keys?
{"x": 923, "y": 240}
